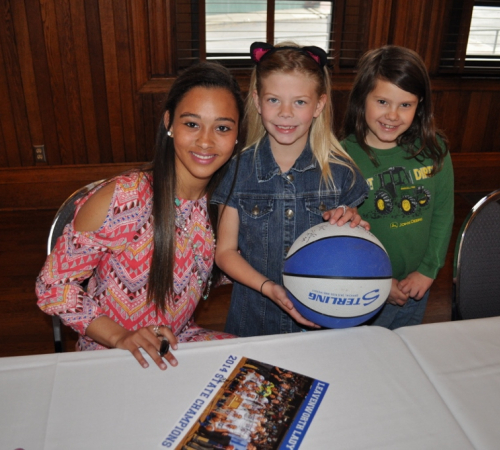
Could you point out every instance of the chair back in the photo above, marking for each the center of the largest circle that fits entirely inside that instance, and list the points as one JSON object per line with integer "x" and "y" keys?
{"x": 477, "y": 262}
{"x": 64, "y": 216}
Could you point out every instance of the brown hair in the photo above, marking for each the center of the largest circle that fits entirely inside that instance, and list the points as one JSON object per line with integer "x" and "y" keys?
{"x": 208, "y": 75}
{"x": 405, "y": 69}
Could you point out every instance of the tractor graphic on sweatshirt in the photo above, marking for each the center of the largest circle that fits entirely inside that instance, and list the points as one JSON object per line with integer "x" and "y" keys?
{"x": 396, "y": 188}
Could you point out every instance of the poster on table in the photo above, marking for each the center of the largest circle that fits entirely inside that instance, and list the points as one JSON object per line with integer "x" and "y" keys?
{"x": 249, "y": 405}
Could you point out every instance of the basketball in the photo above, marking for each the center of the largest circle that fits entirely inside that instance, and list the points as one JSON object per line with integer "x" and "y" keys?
{"x": 337, "y": 277}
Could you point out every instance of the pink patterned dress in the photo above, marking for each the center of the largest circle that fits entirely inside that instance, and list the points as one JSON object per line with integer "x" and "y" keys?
{"x": 116, "y": 260}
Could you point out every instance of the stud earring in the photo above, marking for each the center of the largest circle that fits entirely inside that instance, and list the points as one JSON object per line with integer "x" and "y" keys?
{"x": 169, "y": 133}
{"x": 236, "y": 142}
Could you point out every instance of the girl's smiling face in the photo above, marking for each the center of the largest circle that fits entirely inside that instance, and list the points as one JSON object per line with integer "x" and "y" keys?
{"x": 204, "y": 129}
{"x": 389, "y": 112}
{"x": 287, "y": 103}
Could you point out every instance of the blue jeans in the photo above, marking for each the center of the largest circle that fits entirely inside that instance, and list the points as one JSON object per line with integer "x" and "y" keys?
{"x": 393, "y": 316}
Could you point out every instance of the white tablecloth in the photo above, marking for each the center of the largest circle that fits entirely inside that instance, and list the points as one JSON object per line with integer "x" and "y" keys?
{"x": 462, "y": 360}
{"x": 379, "y": 395}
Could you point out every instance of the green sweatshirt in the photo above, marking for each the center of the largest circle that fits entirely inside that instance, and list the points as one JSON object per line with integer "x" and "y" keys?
{"x": 410, "y": 212}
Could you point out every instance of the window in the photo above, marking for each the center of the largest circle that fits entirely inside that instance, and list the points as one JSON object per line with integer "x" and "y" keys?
{"x": 232, "y": 25}
{"x": 224, "y": 29}
{"x": 483, "y": 45}
{"x": 472, "y": 44}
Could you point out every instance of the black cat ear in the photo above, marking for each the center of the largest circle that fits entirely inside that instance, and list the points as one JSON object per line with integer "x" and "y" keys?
{"x": 258, "y": 50}
{"x": 318, "y": 54}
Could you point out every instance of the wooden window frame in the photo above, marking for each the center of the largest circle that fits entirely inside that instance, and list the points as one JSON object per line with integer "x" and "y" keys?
{"x": 458, "y": 30}
{"x": 339, "y": 55}
{"x": 158, "y": 36}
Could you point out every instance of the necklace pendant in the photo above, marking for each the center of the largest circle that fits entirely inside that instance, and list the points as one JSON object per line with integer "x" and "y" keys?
{"x": 209, "y": 284}
{"x": 177, "y": 202}
{"x": 179, "y": 223}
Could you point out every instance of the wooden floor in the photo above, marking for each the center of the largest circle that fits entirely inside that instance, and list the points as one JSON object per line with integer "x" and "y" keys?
{"x": 25, "y": 330}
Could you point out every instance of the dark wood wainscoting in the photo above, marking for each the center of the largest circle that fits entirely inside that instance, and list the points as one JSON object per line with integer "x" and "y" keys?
{"x": 29, "y": 199}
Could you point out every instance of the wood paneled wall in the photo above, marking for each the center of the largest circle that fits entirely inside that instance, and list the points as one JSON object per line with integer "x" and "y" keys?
{"x": 86, "y": 78}
{"x": 71, "y": 72}
{"x": 468, "y": 111}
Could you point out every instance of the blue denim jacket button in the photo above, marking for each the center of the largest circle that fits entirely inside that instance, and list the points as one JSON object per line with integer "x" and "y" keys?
{"x": 289, "y": 177}
{"x": 289, "y": 213}
{"x": 255, "y": 210}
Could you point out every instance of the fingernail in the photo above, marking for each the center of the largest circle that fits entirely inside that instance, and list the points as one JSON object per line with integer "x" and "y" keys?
{"x": 145, "y": 365}
{"x": 173, "y": 362}
{"x": 163, "y": 366}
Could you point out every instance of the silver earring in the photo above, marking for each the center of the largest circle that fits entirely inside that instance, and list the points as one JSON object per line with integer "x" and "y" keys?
{"x": 236, "y": 142}
{"x": 169, "y": 133}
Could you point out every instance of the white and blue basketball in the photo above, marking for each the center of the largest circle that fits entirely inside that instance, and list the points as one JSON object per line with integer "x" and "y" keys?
{"x": 337, "y": 277}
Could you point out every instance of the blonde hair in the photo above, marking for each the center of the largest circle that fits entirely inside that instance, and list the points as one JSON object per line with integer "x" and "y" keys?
{"x": 325, "y": 146}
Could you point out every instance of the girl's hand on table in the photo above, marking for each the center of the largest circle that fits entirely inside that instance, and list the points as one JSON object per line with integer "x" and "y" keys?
{"x": 107, "y": 332}
{"x": 146, "y": 339}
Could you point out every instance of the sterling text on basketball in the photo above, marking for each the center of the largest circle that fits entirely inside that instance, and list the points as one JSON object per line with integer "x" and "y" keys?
{"x": 365, "y": 300}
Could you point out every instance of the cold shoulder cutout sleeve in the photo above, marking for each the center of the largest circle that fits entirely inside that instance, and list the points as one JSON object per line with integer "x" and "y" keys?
{"x": 88, "y": 255}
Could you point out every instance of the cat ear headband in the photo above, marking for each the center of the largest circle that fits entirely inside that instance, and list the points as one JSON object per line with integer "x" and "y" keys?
{"x": 259, "y": 50}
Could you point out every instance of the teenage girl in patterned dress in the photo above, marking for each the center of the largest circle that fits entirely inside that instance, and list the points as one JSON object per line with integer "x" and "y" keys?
{"x": 145, "y": 240}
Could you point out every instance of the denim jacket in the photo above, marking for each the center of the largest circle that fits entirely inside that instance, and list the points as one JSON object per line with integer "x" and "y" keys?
{"x": 274, "y": 209}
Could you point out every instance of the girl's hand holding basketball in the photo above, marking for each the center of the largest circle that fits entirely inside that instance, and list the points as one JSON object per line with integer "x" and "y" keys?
{"x": 344, "y": 214}
{"x": 278, "y": 295}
